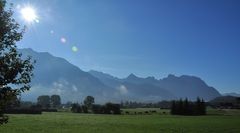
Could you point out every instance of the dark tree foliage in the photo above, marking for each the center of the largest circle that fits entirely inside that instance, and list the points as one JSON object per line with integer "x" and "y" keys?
{"x": 88, "y": 101}
{"x": 76, "y": 108}
{"x": 15, "y": 73}
{"x": 108, "y": 108}
{"x": 44, "y": 101}
{"x": 186, "y": 107}
{"x": 112, "y": 108}
{"x": 203, "y": 108}
{"x": 98, "y": 109}
{"x": 134, "y": 104}
{"x": 55, "y": 101}
{"x": 84, "y": 109}
{"x": 174, "y": 108}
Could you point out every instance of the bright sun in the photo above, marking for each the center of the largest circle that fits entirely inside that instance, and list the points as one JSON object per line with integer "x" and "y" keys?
{"x": 29, "y": 14}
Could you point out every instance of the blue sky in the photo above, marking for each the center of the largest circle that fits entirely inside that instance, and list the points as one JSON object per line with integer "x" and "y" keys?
{"x": 144, "y": 37}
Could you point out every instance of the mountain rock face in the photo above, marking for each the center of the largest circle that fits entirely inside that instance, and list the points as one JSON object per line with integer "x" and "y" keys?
{"x": 171, "y": 87}
{"x": 54, "y": 75}
{"x": 188, "y": 86}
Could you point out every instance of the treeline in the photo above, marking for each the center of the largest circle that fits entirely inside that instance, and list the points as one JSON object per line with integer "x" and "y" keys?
{"x": 19, "y": 107}
{"x": 108, "y": 108}
{"x": 225, "y": 102}
{"x": 90, "y": 107}
{"x": 186, "y": 107}
{"x": 134, "y": 104}
{"x": 23, "y": 111}
{"x": 44, "y": 104}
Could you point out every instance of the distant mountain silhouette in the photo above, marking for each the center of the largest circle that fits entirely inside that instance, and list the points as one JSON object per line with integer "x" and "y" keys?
{"x": 231, "y": 94}
{"x": 178, "y": 87}
{"x": 54, "y": 75}
{"x": 188, "y": 86}
{"x": 225, "y": 100}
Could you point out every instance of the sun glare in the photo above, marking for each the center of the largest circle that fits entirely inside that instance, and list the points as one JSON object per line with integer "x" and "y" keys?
{"x": 29, "y": 14}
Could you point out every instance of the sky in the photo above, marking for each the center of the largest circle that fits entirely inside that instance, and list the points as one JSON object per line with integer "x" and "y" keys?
{"x": 144, "y": 37}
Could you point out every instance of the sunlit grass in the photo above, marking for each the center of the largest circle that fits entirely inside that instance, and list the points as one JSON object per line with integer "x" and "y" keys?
{"x": 90, "y": 123}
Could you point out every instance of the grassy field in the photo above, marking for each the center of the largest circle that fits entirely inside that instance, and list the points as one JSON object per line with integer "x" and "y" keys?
{"x": 217, "y": 121}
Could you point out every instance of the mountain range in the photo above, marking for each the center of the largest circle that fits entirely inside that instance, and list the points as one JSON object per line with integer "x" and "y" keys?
{"x": 54, "y": 75}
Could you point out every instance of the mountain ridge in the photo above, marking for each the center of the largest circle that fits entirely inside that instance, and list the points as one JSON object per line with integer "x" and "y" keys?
{"x": 57, "y": 75}
{"x": 178, "y": 86}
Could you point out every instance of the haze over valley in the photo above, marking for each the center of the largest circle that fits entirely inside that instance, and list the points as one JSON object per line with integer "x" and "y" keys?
{"x": 54, "y": 75}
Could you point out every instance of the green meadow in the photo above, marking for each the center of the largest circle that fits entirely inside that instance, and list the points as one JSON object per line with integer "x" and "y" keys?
{"x": 217, "y": 121}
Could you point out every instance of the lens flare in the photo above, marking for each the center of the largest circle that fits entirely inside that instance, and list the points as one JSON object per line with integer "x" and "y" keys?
{"x": 29, "y": 14}
{"x": 74, "y": 49}
{"x": 51, "y": 32}
{"x": 63, "y": 40}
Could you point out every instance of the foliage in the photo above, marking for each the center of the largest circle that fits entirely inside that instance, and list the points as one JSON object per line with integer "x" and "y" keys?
{"x": 55, "y": 101}
{"x": 227, "y": 102}
{"x": 112, "y": 108}
{"x": 88, "y": 101}
{"x": 98, "y": 109}
{"x": 24, "y": 111}
{"x": 15, "y": 73}
{"x": 186, "y": 107}
{"x": 84, "y": 109}
{"x": 44, "y": 101}
{"x": 134, "y": 104}
{"x": 76, "y": 108}
{"x": 108, "y": 108}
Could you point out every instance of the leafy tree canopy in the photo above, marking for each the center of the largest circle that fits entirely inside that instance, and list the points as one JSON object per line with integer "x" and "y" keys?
{"x": 88, "y": 101}
{"x": 15, "y": 72}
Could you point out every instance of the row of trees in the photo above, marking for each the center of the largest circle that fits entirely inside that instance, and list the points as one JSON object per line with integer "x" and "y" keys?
{"x": 77, "y": 108}
{"x": 185, "y": 107}
{"x": 88, "y": 102}
{"x": 134, "y": 104}
{"x": 46, "y": 101}
{"x": 108, "y": 108}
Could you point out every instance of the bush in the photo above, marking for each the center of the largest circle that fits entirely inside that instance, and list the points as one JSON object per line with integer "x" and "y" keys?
{"x": 111, "y": 108}
{"x": 76, "y": 108}
{"x": 84, "y": 109}
{"x": 49, "y": 110}
{"x": 98, "y": 109}
{"x": 23, "y": 111}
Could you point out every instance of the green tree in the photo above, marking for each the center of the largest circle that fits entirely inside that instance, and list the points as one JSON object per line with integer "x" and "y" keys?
{"x": 55, "y": 101}
{"x": 186, "y": 108}
{"x": 180, "y": 107}
{"x": 44, "y": 101}
{"x": 203, "y": 108}
{"x": 88, "y": 101}
{"x": 15, "y": 72}
{"x": 84, "y": 109}
{"x": 198, "y": 107}
{"x": 76, "y": 108}
{"x": 173, "y": 107}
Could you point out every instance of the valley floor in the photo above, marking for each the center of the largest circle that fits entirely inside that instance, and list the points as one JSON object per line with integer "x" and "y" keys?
{"x": 64, "y": 122}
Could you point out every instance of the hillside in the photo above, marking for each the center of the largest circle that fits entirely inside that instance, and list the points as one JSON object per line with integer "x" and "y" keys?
{"x": 54, "y": 75}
